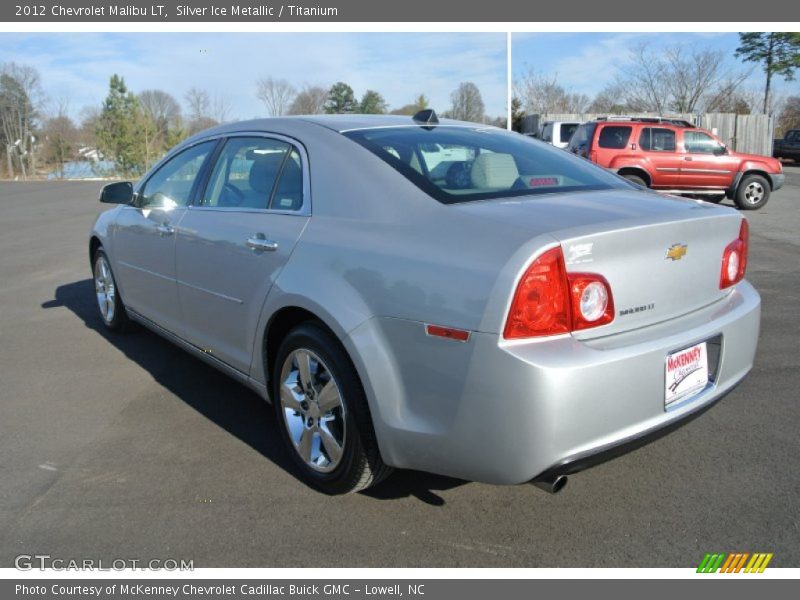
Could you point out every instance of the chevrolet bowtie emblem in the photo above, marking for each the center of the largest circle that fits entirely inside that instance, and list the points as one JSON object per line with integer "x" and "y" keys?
{"x": 676, "y": 252}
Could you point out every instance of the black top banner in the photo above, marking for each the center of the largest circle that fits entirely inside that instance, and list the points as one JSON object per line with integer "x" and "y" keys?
{"x": 48, "y": 11}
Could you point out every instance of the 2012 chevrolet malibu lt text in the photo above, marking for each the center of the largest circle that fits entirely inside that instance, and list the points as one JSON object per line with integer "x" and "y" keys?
{"x": 433, "y": 295}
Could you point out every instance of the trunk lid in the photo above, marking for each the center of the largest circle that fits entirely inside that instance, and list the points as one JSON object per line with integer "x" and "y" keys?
{"x": 662, "y": 256}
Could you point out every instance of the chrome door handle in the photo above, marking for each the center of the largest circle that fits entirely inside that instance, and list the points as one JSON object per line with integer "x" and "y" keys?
{"x": 165, "y": 229}
{"x": 261, "y": 244}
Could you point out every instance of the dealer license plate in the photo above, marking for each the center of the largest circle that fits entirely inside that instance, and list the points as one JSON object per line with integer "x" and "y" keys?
{"x": 687, "y": 373}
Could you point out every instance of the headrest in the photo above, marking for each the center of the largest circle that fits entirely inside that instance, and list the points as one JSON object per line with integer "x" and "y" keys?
{"x": 264, "y": 171}
{"x": 494, "y": 170}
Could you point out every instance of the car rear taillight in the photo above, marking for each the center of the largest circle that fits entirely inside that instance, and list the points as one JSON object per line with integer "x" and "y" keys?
{"x": 548, "y": 301}
{"x": 734, "y": 258}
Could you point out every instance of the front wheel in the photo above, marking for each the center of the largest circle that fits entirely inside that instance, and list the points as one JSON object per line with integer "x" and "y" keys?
{"x": 112, "y": 311}
{"x": 635, "y": 179}
{"x": 752, "y": 193}
{"x": 323, "y": 415}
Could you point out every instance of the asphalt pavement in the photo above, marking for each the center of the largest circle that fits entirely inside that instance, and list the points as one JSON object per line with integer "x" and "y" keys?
{"x": 125, "y": 447}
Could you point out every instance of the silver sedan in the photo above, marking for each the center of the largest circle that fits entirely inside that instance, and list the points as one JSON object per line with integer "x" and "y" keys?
{"x": 432, "y": 295}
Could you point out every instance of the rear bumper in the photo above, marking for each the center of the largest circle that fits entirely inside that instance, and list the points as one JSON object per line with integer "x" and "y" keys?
{"x": 507, "y": 413}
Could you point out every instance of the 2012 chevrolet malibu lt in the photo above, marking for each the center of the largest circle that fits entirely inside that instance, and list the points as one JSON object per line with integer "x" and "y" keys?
{"x": 433, "y": 295}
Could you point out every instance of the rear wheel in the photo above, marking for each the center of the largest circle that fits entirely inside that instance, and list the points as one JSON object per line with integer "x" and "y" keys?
{"x": 752, "y": 193}
{"x": 112, "y": 311}
{"x": 323, "y": 415}
{"x": 635, "y": 179}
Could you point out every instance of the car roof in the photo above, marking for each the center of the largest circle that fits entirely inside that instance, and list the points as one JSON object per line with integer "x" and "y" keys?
{"x": 338, "y": 123}
{"x": 649, "y": 121}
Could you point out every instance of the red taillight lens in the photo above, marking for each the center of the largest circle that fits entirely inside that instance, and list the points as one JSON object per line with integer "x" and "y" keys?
{"x": 592, "y": 304}
{"x": 734, "y": 258}
{"x": 541, "y": 302}
{"x": 548, "y": 301}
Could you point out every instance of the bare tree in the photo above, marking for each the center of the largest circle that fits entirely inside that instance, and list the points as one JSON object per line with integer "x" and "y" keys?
{"x": 220, "y": 108}
{"x": 161, "y": 107}
{"x": 276, "y": 94}
{"x": 162, "y": 117}
{"x": 198, "y": 103}
{"x": 21, "y": 98}
{"x": 467, "y": 103}
{"x": 680, "y": 79}
{"x": 609, "y": 100}
{"x": 309, "y": 101}
{"x": 200, "y": 110}
{"x": 60, "y": 141}
{"x": 541, "y": 94}
{"x": 789, "y": 117}
{"x": 87, "y": 130}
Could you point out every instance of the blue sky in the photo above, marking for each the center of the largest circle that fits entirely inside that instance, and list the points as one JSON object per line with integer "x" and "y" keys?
{"x": 399, "y": 65}
{"x": 586, "y": 62}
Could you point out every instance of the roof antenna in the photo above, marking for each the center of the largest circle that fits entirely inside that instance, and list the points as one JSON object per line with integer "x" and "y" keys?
{"x": 426, "y": 117}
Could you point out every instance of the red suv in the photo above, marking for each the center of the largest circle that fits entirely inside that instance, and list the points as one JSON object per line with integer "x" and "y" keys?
{"x": 673, "y": 156}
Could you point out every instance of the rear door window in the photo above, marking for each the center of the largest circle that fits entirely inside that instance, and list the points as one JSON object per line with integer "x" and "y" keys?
{"x": 657, "y": 139}
{"x": 255, "y": 172}
{"x": 614, "y": 136}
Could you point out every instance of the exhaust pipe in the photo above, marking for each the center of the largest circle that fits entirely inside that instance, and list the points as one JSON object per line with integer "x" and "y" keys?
{"x": 551, "y": 484}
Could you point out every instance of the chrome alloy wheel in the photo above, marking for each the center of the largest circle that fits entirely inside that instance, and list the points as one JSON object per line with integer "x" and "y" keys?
{"x": 105, "y": 288}
{"x": 754, "y": 192}
{"x": 313, "y": 411}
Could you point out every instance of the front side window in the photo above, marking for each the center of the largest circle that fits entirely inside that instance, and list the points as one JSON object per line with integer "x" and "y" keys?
{"x": 458, "y": 164}
{"x": 614, "y": 136}
{"x": 657, "y": 139}
{"x": 173, "y": 183}
{"x": 254, "y": 172}
{"x": 697, "y": 142}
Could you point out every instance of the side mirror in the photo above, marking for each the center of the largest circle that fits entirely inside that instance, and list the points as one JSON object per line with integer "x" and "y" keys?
{"x": 721, "y": 150}
{"x": 117, "y": 193}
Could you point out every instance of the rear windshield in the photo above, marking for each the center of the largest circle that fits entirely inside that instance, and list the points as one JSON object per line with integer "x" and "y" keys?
{"x": 581, "y": 141}
{"x": 459, "y": 164}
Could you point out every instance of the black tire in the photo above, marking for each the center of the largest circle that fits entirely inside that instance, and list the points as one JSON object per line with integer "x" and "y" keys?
{"x": 117, "y": 320}
{"x": 753, "y": 192}
{"x": 635, "y": 179}
{"x": 360, "y": 465}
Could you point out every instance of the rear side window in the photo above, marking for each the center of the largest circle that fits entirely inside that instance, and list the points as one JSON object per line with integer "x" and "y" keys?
{"x": 793, "y": 136}
{"x": 459, "y": 164}
{"x": 567, "y": 129}
{"x": 547, "y": 132}
{"x": 657, "y": 139}
{"x": 255, "y": 172}
{"x": 614, "y": 136}
{"x": 581, "y": 141}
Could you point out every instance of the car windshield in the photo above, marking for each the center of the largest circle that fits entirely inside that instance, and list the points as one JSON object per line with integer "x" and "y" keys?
{"x": 459, "y": 164}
